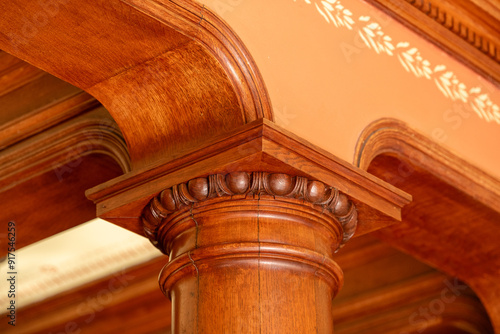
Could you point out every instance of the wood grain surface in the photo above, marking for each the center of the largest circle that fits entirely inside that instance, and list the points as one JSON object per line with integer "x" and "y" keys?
{"x": 453, "y": 222}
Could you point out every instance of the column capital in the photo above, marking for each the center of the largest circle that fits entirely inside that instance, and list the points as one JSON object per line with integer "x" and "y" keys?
{"x": 250, "y": 223}
{"x": 260, "y": 146}
{"x": 248, "y": 185}
{"x": 250, "y": 249}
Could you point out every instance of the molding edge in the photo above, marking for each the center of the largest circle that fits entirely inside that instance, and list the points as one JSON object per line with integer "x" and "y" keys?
{"x": 466, "y": 30}
{"x": 278, "y": 185}
{"x": 394, "y": 137}
{"x": 93, "y": 132}
{"x": 206, "y": 28}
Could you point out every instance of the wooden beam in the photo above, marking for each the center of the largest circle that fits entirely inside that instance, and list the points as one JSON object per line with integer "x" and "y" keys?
{"x": 171, "y": 74}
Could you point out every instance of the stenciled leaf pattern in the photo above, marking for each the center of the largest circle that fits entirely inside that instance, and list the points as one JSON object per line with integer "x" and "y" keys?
{"x": 373, "y": 36}
{"x": 412, "y": 61}
{"x": 410, "y": 58}
{"x": 284, "y": 116}
{"x": 449, "y": 85}
{"x": 334, "y": 12}
{"x": 483, "y": 106}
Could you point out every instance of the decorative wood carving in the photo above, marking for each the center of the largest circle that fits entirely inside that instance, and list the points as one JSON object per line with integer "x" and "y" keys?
{"x": 466, "y": 29}
{"x": 248, "y": 184}
{"x": 243, "y": 232}
{"x": 260, "y": 145}
{"x": 447, "y": 191}
{"x": 255, "y": 236}
{"x": 452, "y": 17}
{"x": 240, "y": 228}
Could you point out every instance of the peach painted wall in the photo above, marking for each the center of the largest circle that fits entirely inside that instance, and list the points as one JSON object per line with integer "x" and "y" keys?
{"x": 326, "y": 84}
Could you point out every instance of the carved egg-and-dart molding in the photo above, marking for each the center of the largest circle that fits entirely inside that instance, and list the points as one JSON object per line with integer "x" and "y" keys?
{"x": 184, "y": 195}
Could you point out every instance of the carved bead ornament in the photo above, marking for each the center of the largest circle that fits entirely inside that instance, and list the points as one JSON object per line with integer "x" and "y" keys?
{"x": 200, "y": 189}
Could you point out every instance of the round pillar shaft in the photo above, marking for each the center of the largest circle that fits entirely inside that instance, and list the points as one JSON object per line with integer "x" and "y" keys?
{"x": 250, "y": 262}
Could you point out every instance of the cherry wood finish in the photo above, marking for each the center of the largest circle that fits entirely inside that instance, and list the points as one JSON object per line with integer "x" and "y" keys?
{"x": 258, "y": 146}
{"x": 194, "y": 84}
{"x": 390, "y": 292}
{"x": 49, "y": 203}
{"x": 468, "y": 30}
{"x": 250, "y": 252}
{"x": 246, "y": 185}
{"x": 372, "y": 269}
{"x": 209, "y": 30}
{"x": 453, "y": 220}
{"x": 14, "y": 73}
{"x": 43, "y": 118}
{"x": 33, "y": 101}
{"x": 43, "y": 179}
{"x": 179, "y": 64}
{"x": 55, "y": 142}
{"x": 251, "y": 246}
{"x": 54, "y": 149}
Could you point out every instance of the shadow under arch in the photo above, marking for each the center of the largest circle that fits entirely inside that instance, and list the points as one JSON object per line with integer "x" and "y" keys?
{"x": 453, "y": 222}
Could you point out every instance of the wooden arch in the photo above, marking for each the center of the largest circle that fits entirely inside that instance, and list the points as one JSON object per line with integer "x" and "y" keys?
{"x": 182, "y": 87}
{"x": 454, "y": 218}
{"x": 171, "y": 73}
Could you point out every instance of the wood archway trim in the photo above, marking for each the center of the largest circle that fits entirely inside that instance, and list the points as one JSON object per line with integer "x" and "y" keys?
{"x": 205, "y": 27}
{"x": 43, "y": 177}
{"x": 60, "y": 149}
{"x": 396, "y": 138}
{"x": 171, "y": 73}
{"x": 453, "y": 221}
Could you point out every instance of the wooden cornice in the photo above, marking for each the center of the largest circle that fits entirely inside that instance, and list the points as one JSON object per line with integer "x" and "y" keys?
{"x": 51, "y": 156}
{"x": 468, "y": 30}
{"x": 15, "y": 73}
{"x": 390, "y": 307}
{"x": 45, "y": 117}
{"x": 56, "y": 141}
{"x": 396, "y": 138}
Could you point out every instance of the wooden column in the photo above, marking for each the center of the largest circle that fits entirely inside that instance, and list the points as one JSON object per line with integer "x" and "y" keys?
{"x": 250, "y": 252}
{"x": 250, "y": 223}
